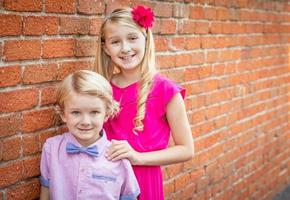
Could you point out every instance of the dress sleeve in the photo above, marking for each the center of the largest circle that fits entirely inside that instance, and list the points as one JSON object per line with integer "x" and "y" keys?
{"x": 130, "y": 188}
{"x": 169, "y": 89}
{"x": 44, "y": 165}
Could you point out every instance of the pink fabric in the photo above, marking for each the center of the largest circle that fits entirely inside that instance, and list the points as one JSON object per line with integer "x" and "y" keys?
{"x": 156, "y": 129}
{"x": 81, "y": 176}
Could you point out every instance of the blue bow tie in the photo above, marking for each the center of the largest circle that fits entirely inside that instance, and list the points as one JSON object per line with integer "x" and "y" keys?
{"x": 92, "y": 151}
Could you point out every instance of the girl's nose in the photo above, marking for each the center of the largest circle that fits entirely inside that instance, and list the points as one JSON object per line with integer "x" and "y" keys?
{"x": 125, "y": 47}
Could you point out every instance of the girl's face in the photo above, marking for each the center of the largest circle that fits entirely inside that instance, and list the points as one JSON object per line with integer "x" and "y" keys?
{"x": 125, "y": 45}
{"x": 84, "y": 116}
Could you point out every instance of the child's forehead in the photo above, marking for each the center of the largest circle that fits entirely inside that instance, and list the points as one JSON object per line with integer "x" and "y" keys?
{"x": 114, "y": 28}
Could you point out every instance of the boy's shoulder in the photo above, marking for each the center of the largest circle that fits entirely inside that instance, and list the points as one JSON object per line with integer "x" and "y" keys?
{"x": 55, "y": 140}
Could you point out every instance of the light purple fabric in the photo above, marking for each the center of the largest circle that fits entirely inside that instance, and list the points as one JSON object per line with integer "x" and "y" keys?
{"x": 81, "y": 176}
{"x": 156, "y": 129}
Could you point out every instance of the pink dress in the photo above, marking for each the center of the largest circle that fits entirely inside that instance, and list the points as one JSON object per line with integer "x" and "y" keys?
{"x": 155, "y": 135}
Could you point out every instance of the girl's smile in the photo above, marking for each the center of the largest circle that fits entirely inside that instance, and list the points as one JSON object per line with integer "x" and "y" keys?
{"x": 125, "y": 45}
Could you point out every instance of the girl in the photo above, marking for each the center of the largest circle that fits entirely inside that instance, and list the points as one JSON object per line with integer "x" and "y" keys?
{"x": 152, "y": 106}
{"x": 73, "y": 165}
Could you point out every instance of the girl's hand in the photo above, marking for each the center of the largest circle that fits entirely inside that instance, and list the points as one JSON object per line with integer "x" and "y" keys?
{"x": 120, "y": 149}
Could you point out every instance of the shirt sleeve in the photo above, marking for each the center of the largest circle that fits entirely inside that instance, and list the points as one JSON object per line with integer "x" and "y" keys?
{"x": 130, "y": 188}
{"x": 44, "y": 165}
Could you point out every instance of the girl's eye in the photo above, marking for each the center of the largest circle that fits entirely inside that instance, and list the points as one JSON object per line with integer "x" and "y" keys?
{"x": 95, "y": 112}
{"x": 114, "y": 42}
{"x": 75, "y": 112}
{"x": 133, "y": 38}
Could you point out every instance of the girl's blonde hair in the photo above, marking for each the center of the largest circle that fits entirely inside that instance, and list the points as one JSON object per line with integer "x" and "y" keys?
{"x": 87, "y": 82}
{"x": 104, "y": 66}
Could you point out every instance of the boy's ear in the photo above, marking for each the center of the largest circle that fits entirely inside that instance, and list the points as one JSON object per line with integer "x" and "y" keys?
{"x": 62, "y": 117}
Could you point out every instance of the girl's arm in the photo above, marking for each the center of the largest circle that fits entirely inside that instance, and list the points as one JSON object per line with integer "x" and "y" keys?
{"x": 181, "y": 133}
{"x": 44, "y": 193}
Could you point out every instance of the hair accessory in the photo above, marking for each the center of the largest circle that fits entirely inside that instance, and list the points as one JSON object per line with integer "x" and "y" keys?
{"x": 143, "y": 16}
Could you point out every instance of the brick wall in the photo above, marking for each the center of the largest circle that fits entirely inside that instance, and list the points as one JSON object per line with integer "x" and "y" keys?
{"x": 232, "y": 56}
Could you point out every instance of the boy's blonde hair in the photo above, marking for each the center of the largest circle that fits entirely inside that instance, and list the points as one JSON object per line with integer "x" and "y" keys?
{"x": 104, "y": 66}
{"x": 87, "y": 82}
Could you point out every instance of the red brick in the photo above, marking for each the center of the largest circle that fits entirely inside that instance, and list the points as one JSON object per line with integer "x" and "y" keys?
{"x": 177, "y": 43}
{"x": 161, "y": 44}
{"x": 222, "y": 14}
{"x": 31, "y": 166}
{"x": 197, "y": 12}
{"x": 192, "y": 43}
{"x": 38, "y": 119}
{"x": 35, "y": 25}
{"x": 9, "y": 124}
{"x": 197, "y": 58}
{"x": 67, "y": 68}
{"x": 10, "y": 25}
{"x": 165, "y": 61}
{"x": 95, "y": 25}
{"x": 202, "y": 28}
{"x": 8, "y": 178}
{"x": 17, "y": 100}
{"x": 11, "y": 148}
{"x": 10, "y": 76}
{"x": 22, "y": 50}
{"x": 91, "y": 7}
{"x": 30, "y": 144}
{"x": 39, "y": 73}
{"x": 1, "y": 147}
{"x": 182, "y": 181}
{"x": 48, "y": 95}
{"x": 176, "y": 75}
{"x": 168, "y": 26}
{"x": 58, "y": 48}
{"x": 20, "y": 5}
{"x": 180, "y": 10}
{"x": 60, "y": 6}
{"x": 183, "y": 60}
{"x": 26, "y": 190}
{"x": 168, "y": 188}
{"x": 74, "y": 25}
{"x": 215, "y": 27}
{"x": 112, "y": 5}
{"x": 210, "y": 13}
{"x": 187, "y": 27}
{"x": 163, "y": 10}
{"x": 85, "y": 47}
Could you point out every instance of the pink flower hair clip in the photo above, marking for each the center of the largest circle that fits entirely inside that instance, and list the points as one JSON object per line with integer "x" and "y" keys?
{"x": 143, "y": 16}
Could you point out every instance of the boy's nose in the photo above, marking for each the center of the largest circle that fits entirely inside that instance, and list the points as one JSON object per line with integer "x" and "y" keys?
{"x": 85, "y": 120}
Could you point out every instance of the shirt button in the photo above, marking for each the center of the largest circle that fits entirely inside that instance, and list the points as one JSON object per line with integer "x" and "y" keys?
{"x": 80, "y": 191}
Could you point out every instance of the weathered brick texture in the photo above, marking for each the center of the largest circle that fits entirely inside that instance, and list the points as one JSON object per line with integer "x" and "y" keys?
{"x": 231, "y": 56}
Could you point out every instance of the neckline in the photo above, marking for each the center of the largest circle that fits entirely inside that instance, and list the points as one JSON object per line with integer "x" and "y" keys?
{"x": 125, "y": 87}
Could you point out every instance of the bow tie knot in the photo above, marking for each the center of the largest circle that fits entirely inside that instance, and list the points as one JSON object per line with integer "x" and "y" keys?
{"x": 72, "y": 148}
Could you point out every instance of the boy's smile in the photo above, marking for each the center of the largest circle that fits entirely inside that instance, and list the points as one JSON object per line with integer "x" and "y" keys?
{"x": 84, "y": 116}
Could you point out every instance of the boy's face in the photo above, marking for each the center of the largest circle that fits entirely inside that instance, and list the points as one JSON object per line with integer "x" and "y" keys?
{"x": 84, "y": 116}
{"x": 125, "y": 45}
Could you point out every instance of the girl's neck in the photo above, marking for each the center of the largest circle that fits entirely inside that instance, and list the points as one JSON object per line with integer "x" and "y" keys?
{"x": 124, "y": 79}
